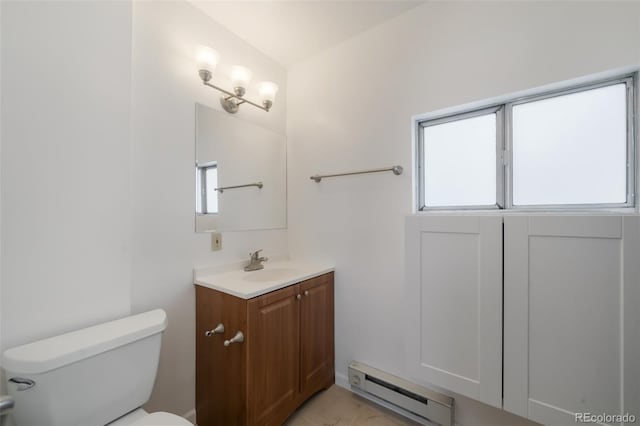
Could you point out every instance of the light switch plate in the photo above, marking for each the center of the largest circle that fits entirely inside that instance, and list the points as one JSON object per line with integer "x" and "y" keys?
{"x": 216, "y": 241}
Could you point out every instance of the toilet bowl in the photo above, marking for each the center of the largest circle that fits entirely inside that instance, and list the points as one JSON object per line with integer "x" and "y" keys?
{"x": 99, "y": 375}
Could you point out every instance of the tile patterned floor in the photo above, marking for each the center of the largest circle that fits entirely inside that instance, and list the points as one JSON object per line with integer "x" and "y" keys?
{"x": 339, "y": 407}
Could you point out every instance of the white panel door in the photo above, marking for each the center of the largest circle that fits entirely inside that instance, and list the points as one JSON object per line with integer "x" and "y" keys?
{"x": 454, "y": 289}
{"x": 571, "y": 319}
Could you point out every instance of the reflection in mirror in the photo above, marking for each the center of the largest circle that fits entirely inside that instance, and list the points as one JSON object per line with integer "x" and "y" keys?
{"x": 206, "y": 184}
{"x": 240, "y": 174}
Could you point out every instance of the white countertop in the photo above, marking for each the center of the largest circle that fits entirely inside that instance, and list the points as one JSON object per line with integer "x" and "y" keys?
{"x": 274, "y": 276}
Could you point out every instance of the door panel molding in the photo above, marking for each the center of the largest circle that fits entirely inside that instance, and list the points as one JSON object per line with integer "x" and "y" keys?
{"x": 587, "y": 267}
{"x": 457, "y": 259}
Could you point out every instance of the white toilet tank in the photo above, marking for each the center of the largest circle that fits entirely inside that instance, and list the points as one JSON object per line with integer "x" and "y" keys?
{"x": 88, "y": 377}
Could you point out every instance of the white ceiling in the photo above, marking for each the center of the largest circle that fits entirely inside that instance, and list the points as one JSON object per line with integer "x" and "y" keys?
{"x": 290, "y": 31}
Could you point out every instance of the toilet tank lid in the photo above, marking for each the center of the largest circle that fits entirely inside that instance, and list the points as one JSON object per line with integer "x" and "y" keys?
{"x": 55, "y": 352}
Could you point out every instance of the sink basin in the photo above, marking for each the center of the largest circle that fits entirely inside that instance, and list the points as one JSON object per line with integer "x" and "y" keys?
{"x": 247, "y": 285}
{"x": 264, "y": 275}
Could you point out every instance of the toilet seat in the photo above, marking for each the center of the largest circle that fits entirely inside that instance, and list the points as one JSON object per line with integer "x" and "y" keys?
{"x": 161, "y": 418}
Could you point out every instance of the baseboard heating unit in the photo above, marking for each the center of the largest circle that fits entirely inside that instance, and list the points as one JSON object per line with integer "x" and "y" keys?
{"x": 420, "y": 401}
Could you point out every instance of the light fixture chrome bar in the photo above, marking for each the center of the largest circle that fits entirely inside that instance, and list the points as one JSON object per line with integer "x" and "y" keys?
{"x": 234, "y": 96}
{"x": 223, "y": 188}
{"x": 397, "y": 170}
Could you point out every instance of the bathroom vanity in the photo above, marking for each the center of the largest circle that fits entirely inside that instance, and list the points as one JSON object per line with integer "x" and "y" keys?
{"x": 264, "y": 342}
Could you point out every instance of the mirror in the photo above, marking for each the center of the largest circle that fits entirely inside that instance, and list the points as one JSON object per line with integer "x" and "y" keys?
{"x": 240, "y": 174}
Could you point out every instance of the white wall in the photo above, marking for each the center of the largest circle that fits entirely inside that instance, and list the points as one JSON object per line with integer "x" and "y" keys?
{"x": 97, "y": 172}
{"x": 165, "y": 248}
{"x": 65, "y": 177}
{"x": 2, "y": 386}
{"x": 1, "y": 371}
{"x": 350, "y": 108}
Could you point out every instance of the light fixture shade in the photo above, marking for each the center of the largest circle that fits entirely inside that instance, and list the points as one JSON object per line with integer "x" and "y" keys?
{"x": 240, "y": 76}
{"x": 207, "y": 58}
{"x": 267, "y": 91}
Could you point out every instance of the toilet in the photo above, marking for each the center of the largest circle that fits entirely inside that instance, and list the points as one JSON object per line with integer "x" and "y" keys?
{"x": 96, "y": 376}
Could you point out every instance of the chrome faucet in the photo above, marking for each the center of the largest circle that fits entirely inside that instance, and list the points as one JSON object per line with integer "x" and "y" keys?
{"x": 256, "y": 261}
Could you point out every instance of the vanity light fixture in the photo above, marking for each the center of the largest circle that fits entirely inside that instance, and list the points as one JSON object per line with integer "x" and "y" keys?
{"x": 240, "y": 78}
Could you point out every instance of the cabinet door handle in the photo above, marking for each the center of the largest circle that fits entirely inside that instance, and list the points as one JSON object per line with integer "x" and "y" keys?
{"x": 238, "y": 338}
{"x": 306, "y": 292}
{"x": 298, "y": 297}
{"x": 218, "y": 330}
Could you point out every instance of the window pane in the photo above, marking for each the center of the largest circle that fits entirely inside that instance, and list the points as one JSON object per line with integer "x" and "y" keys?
{"x": 460, "y": 162}
{"x": 571, "y": 149}
{"x": 212, "y": 194}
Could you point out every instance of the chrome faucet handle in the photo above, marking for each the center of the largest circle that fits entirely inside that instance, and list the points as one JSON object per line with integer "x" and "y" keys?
{"x": 255, "y": 263}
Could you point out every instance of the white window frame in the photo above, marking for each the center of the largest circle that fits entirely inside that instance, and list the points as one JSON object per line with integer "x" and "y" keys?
{"x": 504, "y": 149}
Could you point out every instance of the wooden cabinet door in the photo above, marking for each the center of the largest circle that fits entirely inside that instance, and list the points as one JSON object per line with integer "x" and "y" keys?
{"x": 273, "y": 355}
{"x": 454, "y": 303}
{"x": 316, "y": 335}
{"x": 571, "y": 319}
{"x": 220, "y": 370}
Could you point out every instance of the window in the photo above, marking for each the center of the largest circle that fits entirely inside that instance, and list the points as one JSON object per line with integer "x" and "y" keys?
{"x": 459, "y": 160}
{"x": 206, "y": 184}
{"x": 567, "y": 149}
{"x": 571, "y": 149}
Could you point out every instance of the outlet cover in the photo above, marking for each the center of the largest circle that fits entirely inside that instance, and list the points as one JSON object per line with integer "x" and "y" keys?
{"x": 216, "y": 241}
